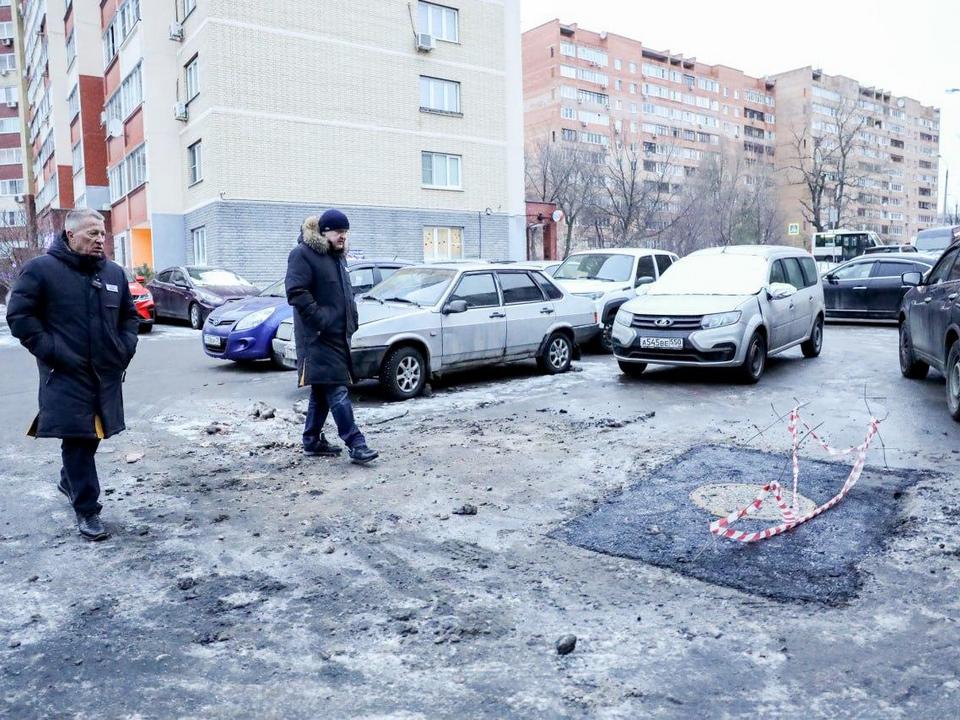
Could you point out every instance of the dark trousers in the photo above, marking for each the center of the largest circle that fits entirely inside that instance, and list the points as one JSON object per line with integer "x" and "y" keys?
{"x": 335, "y": 400}
{"x": 79, "y": 474}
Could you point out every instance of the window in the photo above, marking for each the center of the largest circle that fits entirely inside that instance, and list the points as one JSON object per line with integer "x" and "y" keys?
{"x": 11, "y": 156}
{"x": 195, "y": 162}
{"x": 11, "y": 187}
{"x": 73, "y": 103}
{"x": 663, "y": 262}
{"x": 854, "y": 271}
{"x": 77, "y": 157}
{"x": 794, "y": 273}
{"x": 519, "y": 288}
{"x": 477, "y": 290}
{"x": 199, "y": 237}
{"x": 940, "y": 270}
{"x": 118, "y": 182}
{"x": 187, "y": 7}
{"x": 386, "y": 272}
{"x": 127, "y": 16}
{"x": 121, "y": 250}
{"x": 809, "y": 267}
{"x": 439, "y": 170}
{"x": 71, "y": 48}
{"x": 886, "y": 268}
{"x": 439, "y": 95}
{"x": 361, "y": 279}
{"x": 136, "y": 167}
{"x": 549, "y": 289}
{"x": 441, "y": 22}
{"x": 127, "y": 98}
{"x": 645, "y": 267}
{"x": 191, "y": 78}
{"x": 442, "y": 243}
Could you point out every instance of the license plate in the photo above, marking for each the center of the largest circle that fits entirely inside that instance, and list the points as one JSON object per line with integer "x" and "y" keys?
{"x": 661, "y": 343}
{"x": 212, "y": 341}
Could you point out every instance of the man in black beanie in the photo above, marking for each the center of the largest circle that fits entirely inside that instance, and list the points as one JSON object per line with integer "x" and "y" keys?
{"x": 324, "y": 318}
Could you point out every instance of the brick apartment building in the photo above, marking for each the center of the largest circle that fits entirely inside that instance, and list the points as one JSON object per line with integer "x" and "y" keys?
{"x": 12, "y": 170}
{"x": 895, "y": 158}
{"x": 595, "y": 89}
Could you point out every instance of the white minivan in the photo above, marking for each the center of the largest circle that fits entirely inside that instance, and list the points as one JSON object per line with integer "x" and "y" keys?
{"x": 724, "y": 307}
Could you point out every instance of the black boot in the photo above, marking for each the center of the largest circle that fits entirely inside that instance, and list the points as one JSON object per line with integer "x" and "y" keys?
{"x": 91, "y": 528}
{"x": 321, "y": 447}
{"x": 361, "y": 455}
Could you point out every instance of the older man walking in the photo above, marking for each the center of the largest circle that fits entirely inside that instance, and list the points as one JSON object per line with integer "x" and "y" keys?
{"x": 72, "y": 309}
{"x": 324, "y": 317}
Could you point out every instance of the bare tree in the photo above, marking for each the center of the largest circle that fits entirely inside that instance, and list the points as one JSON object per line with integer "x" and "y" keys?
{"x": 17, "y": 245}
{"x": 849, "y": 123}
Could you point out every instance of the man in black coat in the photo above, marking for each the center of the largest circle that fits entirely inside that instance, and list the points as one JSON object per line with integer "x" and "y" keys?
{"x": 324, "y": 318}
{"x": 72, "y": 309}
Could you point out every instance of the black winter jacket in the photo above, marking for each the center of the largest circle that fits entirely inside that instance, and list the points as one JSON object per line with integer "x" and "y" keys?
{"x": 75, "y": 314}
{"x": 324, "y": 312}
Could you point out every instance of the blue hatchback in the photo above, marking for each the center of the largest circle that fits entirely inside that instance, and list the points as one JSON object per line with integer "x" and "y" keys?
{"x": 243, "y": 330}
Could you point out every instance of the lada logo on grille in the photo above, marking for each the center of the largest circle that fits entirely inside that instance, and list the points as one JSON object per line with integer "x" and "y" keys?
{"x": 663, "y": 322}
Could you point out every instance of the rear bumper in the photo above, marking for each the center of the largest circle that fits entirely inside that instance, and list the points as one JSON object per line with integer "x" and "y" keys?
{"x": 584, "y": 334}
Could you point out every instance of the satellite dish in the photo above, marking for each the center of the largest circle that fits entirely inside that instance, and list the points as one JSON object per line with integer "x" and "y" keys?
{"x": 557, "y": 215}
{"x": 114, "y": 128}
{"x": 901, "y": 102}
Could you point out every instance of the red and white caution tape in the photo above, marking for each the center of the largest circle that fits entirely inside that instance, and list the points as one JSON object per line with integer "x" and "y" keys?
{"x": 722, "y": 527}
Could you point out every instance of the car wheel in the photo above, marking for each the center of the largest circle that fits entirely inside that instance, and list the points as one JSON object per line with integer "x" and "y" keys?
{"x": 196, "y": 316}
{"x": 403, "y": 373}
{"x": 811, "y": 347}
{"x": 631, "y": 369}
{"x": 953, "y": 380}
{"x": 755, "y": 361}
{"x": 556, "y": 354}
{"x": 605, "y": 338}
{"x": 910, "y": 367}
{"x": 145, "y": 328}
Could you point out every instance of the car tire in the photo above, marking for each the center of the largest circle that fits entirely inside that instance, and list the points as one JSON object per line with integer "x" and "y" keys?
{"x": 195, "y": 316}
{"x": 755, "y": 361}
{"x": 557, "y": 354}
{"x": 953, "y": 380}
{"x": 632, "y": 369}
{"x": 910, "y": 367}
{"x": 403, "y": 373}
{"x": 605, "y": 338}
{"x": 814, "y": 344}
{"x": 145, "y": 328}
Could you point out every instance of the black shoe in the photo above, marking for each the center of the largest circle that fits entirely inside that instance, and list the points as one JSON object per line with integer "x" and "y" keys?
{"x": 361, "y": 455}
{"x": 63, "y": 488}
{"x": 321, "y": 447}
{"x": 91, "y": 527}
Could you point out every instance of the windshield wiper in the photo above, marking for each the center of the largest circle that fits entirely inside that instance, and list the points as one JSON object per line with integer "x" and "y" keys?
{"x": 371, "y": 297}
{"x": 402, "y": 300}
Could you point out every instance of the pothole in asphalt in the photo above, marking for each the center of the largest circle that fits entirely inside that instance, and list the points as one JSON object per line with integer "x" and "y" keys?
{"x": 662, "y": 520}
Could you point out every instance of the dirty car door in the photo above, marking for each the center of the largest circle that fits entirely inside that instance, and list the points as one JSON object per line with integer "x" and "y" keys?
{"x": 480, "y": 333}
{"x": 529, "y": 313}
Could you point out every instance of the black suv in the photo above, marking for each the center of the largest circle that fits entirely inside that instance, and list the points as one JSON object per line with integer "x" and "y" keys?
{"x": 930, "y": 324}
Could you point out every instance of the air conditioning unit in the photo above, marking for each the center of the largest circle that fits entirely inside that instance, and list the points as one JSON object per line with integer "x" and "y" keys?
{"x": 18, "y": 198}
{"x": 7, "y": 42}
{"x": 4, "y": 72}
{"x": 11, "y": 103}
{"x": 180, "y": 112}
{"x": 425, "y": 42}
{"x": 583, "y": 123}
{"x": 176, "y": 31}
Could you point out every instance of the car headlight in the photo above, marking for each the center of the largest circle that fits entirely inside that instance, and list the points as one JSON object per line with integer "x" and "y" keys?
{"x": 720, "y": 320}
{"x": 623, "y": 318}
{"x": 591, "y": 295}
{"x": 209, "y": 298}
{"x": 143, "y": 297}
{"x": 254, "y": 319}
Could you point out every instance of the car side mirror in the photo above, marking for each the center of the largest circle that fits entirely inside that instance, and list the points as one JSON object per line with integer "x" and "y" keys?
{"x": 911, "y": 279}
{"x": 645, "y": 280}
{"x": 780, "y": 291}
{"x": 830, "y": 278}
{"x": 140, "y": 279}
{"x": 455, "y": 306}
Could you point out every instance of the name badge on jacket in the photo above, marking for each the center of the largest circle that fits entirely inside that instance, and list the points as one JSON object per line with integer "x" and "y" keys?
{"x": 112, "y": 288}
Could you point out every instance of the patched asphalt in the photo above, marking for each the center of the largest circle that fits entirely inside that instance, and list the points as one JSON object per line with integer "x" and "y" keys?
{"x": 656, "y": 522}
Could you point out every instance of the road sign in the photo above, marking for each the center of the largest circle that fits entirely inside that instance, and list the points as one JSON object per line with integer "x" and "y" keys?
{"x": 793, "y": 229}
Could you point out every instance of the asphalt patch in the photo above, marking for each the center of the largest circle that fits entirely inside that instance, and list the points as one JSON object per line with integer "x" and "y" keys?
{"x": 656, "y": 522}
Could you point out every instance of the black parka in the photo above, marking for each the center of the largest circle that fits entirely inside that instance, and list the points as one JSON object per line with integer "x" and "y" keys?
{"x": 324, "y": 312}
{"x": 75, "y": 314}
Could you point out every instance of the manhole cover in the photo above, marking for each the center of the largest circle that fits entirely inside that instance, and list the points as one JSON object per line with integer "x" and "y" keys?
{"x": 657, "y": 522}
{"x": 723, "y": 498}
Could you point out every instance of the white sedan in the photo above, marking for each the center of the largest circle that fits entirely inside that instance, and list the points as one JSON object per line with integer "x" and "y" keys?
{"x": 430, "y": 319}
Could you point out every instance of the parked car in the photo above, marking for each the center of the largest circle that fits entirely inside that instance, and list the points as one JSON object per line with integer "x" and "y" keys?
{"x": 609, "y": 278}
{"x": 724, "y": 307}
{"x": 437, "y": 318}
{"x": 192, "y": 292}
{"x": 871, "y": 286}
{"x": 930, "y": 325}
{"x": 243, "y": 331}
{"x": 548, "y": 267}
{"x": 905, "y": 248}
{"x": 142, "y": 299}
{"x": 936, "y": 240}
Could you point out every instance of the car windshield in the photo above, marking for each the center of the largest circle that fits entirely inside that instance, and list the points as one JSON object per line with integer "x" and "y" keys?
{"x": 420, "y": 285}
{"x": 596, "y": 266}
{"x": 203, "y": 276}
{"x": 713, "y": 275}
{"x": 936, "y": 239}
{"x": 278, "y": 289}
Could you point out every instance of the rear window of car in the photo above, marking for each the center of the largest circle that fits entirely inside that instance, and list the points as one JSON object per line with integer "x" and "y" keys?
{"x": 794, "y": 273}
{"x": 896, "y": 269}
{"x": 549, "y": 289}
{"x": 809, "y": 267}
{"x": 519, "y": 288}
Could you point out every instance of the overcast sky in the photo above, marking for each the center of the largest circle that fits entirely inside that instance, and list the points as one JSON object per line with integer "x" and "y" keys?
{"x": 907, "y": 47}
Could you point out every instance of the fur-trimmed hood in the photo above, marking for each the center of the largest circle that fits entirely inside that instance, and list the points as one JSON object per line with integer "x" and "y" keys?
{"x": 310, "y": 235}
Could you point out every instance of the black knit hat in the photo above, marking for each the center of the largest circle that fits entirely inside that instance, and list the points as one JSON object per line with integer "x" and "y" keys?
{"x": 333, "y": 220}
